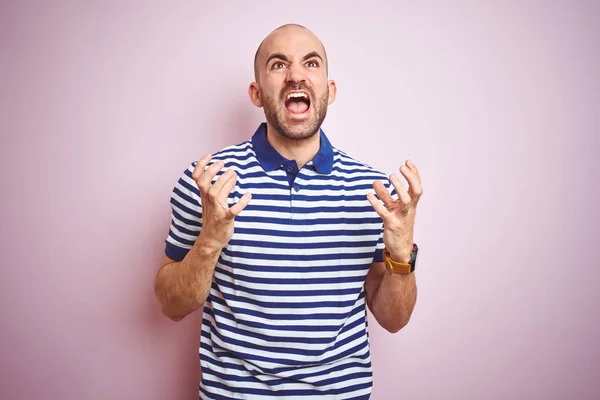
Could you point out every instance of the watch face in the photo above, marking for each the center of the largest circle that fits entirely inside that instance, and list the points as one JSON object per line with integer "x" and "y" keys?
{"x": 413, "y": 258}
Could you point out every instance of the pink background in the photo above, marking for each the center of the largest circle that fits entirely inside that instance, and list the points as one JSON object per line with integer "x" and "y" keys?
{"x": 104, "y": 104}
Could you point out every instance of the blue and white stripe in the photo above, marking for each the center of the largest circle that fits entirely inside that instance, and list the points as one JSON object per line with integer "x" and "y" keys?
{"x": 286, "y": 313}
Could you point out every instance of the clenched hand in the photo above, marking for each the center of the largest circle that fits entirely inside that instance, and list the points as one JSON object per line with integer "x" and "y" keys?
{"x": 398, "y": 215}
{"x": 217, "y": 216}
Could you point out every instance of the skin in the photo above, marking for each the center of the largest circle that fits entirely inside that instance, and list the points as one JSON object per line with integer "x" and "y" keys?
{"x": 292, "y": 58}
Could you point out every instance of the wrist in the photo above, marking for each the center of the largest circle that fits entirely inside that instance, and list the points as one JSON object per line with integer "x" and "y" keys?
{"x": 401, "y": 255}
{"x": 207, "y": 246}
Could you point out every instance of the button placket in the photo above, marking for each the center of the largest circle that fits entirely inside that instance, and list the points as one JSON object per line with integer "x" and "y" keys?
{"x": 294, "y": 191}
{"x": 282, "y": 173}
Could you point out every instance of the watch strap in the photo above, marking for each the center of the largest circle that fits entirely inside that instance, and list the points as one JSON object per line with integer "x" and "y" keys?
{"x": 395, "y": 267}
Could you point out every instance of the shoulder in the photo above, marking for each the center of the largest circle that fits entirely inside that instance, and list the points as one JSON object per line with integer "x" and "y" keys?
{"x": 240, "y": 158}
{"x": 239, "y": 155}
{"x": 346, "y": 164}
{"x": 237, "y": 152}
{"x": 231, "y": 155}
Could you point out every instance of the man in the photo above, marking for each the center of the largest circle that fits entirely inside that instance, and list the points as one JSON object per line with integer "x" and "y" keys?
{"x": 282, "y": 240}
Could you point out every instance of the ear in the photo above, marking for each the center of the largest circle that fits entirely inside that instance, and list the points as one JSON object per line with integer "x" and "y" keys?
{"x": 332, "y": 92}
{"x": 254, "y": 93}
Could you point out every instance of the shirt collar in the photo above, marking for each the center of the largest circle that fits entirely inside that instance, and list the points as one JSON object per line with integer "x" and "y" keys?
{"x": 270, "y": 159}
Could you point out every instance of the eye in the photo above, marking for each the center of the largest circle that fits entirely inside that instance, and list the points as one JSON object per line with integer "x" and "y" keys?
{"x": 312, "y": 63}
{"x": 278, "y": 65}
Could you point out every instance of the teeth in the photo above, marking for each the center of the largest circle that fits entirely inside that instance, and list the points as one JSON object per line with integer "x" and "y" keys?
{"x": 289, "y": 96}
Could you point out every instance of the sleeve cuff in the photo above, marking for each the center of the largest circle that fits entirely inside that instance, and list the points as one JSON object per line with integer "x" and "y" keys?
{"x": 378, "y": 255}
{"x": 174, "y": 252}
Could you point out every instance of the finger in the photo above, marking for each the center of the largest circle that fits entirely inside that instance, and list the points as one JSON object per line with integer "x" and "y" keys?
{"x": 227, "y": 186}
{"x": 379, "y": 208}
{"x": 413, "y": 168}
{"x": 209, "y": 174}
{"x": 221, "y": 181}
{"x": 383, "y": 193}
{"x": 200, "y": 166}
{"x": 414, "y": 183}
{"x": 240, "y": 205}
{"x": 401, "y": 190}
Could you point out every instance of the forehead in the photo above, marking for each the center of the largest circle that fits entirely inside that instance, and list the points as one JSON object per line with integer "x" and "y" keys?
{"x": 292, "y": 42}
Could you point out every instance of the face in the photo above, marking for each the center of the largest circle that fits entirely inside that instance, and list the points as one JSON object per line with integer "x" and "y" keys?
{"x": 292, "y": 84}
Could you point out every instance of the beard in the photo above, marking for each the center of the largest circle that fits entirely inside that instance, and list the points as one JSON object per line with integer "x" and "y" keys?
{"x": 276, "y": 115}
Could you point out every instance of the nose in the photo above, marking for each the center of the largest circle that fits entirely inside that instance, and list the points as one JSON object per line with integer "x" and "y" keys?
{"x": 295, "y": 74}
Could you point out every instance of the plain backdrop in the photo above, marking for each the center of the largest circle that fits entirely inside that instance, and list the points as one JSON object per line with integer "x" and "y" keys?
{"x": 104, "y": 103}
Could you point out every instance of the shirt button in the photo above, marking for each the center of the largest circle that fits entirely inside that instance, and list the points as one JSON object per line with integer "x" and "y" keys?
{"x": 296, "y": 188}
{"x": 288, "y": 168}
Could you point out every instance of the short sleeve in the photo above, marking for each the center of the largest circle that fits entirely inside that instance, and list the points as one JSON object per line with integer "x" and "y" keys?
{"x": 378, "y": 257}
{"x": 186, "y": 216}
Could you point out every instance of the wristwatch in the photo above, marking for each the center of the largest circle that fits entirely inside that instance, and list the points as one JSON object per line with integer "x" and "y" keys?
{"x": 395, "y": 267}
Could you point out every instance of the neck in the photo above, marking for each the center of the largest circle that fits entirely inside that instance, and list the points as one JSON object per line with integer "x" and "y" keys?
{"x": 301, "y": 150}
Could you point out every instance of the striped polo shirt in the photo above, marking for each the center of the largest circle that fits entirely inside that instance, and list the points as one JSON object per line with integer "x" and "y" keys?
{"x": 286, "y": 313}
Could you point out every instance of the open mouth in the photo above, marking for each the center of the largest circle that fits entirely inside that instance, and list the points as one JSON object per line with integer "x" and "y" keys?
{"x": 297, "y": 102}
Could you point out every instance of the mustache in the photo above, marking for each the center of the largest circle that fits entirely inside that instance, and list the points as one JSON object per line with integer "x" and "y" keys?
{"x": 290, "y": 86}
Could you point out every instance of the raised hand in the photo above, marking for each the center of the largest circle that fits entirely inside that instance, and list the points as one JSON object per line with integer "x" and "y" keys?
{"x": 398, "y": 215}
{"x": 217, "y": 216}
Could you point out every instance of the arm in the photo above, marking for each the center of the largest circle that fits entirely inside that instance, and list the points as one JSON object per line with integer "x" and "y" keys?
{"x": 183, "y": 286}
{"x": 391, "y": 298}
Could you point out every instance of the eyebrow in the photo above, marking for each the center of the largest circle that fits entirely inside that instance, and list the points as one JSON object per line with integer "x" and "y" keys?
{"x": 284, "y": 58}
{"x": 311, "y": 55}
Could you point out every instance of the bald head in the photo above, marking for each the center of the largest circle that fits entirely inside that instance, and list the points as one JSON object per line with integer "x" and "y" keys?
{"x": 273, "y": 39}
